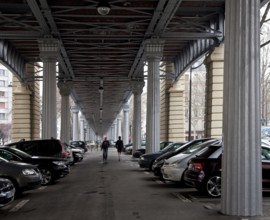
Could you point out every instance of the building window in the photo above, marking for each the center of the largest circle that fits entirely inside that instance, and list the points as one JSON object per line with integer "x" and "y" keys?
{"x": 2, "y": 94}
{"x": 2, "y": 105}
{"x": 2, "y": 72}
{"x": 2, "y": 116}
{"x": 2, "y": 83}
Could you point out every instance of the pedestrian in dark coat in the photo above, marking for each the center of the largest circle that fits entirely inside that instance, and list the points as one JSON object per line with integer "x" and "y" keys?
{"x": 119, "y": 146}
{"x": 104, "y": 146}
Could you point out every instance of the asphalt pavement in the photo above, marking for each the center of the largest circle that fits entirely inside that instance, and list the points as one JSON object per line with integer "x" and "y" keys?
{"x": 116, "y": 190}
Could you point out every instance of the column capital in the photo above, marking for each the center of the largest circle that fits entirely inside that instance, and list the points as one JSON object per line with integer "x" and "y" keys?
{"x": 75, "y": 109}
{"x": 154, "y": 48}
{"x": 137, "y": 86}
{"x": 65, "y": 88}
{"x": 48, "y": 48}
{"x": 126, "y": 107}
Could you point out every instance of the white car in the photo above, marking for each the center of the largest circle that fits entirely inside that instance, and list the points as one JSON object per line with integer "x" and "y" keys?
{"x": 175, "y": 166}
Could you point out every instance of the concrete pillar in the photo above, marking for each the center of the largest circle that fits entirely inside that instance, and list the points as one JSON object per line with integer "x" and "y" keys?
{"x": 114, "y": 131}
{"x": 26, "y": 96}
{"x": 241, "y": 162}
{"x": 125, "y": 137}
{"x": 137, "y": 89}
{"x": 176, "y": 122}
{"x": 65, "y": 90}
{"x": 214, "y": 93}
{"x": 119, "y": 122}
{"x": 75, "y": 128}
{"x": 165, "y": 85}
{"x": 88, "y": 132}
{"x": 21, "y": 113}
{"x": 82, "y": 121}
{"x": 48, "y": 48}
{"x": 153, "y": 54}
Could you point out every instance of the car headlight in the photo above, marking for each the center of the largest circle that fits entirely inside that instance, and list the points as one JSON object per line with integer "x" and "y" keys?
{"x": 175, "y": 163}
{"x": 142, "y": 158}
{"x": 28, "y": 172}
{"x": 59, "y": 163}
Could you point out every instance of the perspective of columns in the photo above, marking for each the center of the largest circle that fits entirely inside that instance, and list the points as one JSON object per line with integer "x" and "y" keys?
{"x": 65, "y": 90}
{"x": 119, "y": 130}
{"x": 75, "y": 127}
{"x": 241, "y": 163}
{"x": 114, "y": 131}
{"x": 137, "y": 88}
{"x": 82, "y": 128}
{"x": 48, "y": 53}
{"x": 153, "y": 54}
{"x": 126, "y": 124}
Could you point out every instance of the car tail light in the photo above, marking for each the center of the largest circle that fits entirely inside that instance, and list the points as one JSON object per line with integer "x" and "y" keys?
{"x": 197, "y": 166}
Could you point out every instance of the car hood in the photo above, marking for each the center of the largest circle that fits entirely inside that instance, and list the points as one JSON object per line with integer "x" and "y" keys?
{"x": 177, "y": 157}
{"x": 43, "y": 158}
{"x": 152, "y": 155}
{"x": 166, "y": 155}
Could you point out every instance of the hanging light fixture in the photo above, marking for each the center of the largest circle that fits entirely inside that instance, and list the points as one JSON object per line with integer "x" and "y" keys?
{"x": 103, "y": 7}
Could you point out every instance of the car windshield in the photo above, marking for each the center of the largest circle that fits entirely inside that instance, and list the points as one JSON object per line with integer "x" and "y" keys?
{"x": 265, "y": 131}
{"x": 197, "y": 147}
{"x": 170, "y": 147}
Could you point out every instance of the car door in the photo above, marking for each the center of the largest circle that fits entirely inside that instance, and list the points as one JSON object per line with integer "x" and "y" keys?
{"x": 265, "y": 155}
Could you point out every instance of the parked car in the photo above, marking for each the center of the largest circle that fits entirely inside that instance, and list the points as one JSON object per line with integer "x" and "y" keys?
{"x": 80, "y": 144}
{"x": 128, "y": 147}
{"x": 142, "y": 150}
{"x": 69, "y": 153}
{"x": 22, "y": 175}
{"x": 147, "y": 160}
{"x": 51, "y": 168}
{"x": 204, "y": 171}
{"x": 44, "y": 147}
{"x": 158, "y": 163}
{"x": 7, "y": 192}
{"x": 77, "y": 153}
{"x": 174, "y": 167}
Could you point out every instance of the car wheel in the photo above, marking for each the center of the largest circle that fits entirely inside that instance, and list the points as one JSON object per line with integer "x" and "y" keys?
{"x": 213, "y": 186}
{"x": 47, "y": 176}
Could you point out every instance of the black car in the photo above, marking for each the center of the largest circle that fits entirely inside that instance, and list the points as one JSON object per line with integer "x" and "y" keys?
{"x": 204, "y": 171}
{"x": 147, "y": 160}
{"x": 7, "y": 192}
{"x": 158, "y": 163}
{"x": 142, "y": 150}
{"x": 51, "y": 168}
{"x": 44, "y": 147}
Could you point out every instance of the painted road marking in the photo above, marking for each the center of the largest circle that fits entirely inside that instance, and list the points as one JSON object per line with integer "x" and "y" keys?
{"x": 42, "y": 187}
{"x": 182, "y": 197}
{"x": 19, "y": 206}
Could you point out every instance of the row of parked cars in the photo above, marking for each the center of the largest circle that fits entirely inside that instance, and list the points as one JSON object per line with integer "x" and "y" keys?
{"x": 197, "y": 164}
{"x": 27, "y": 165}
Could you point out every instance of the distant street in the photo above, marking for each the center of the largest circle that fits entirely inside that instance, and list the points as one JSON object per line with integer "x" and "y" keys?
{"x": 112, "y": 191}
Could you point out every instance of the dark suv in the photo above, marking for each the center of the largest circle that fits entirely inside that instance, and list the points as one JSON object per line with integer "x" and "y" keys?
{"x": 46, "y": 147}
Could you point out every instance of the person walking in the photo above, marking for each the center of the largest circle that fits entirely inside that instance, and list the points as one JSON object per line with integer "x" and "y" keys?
{"x": 119, "y": 146}
{"x": 104, "y": 146}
